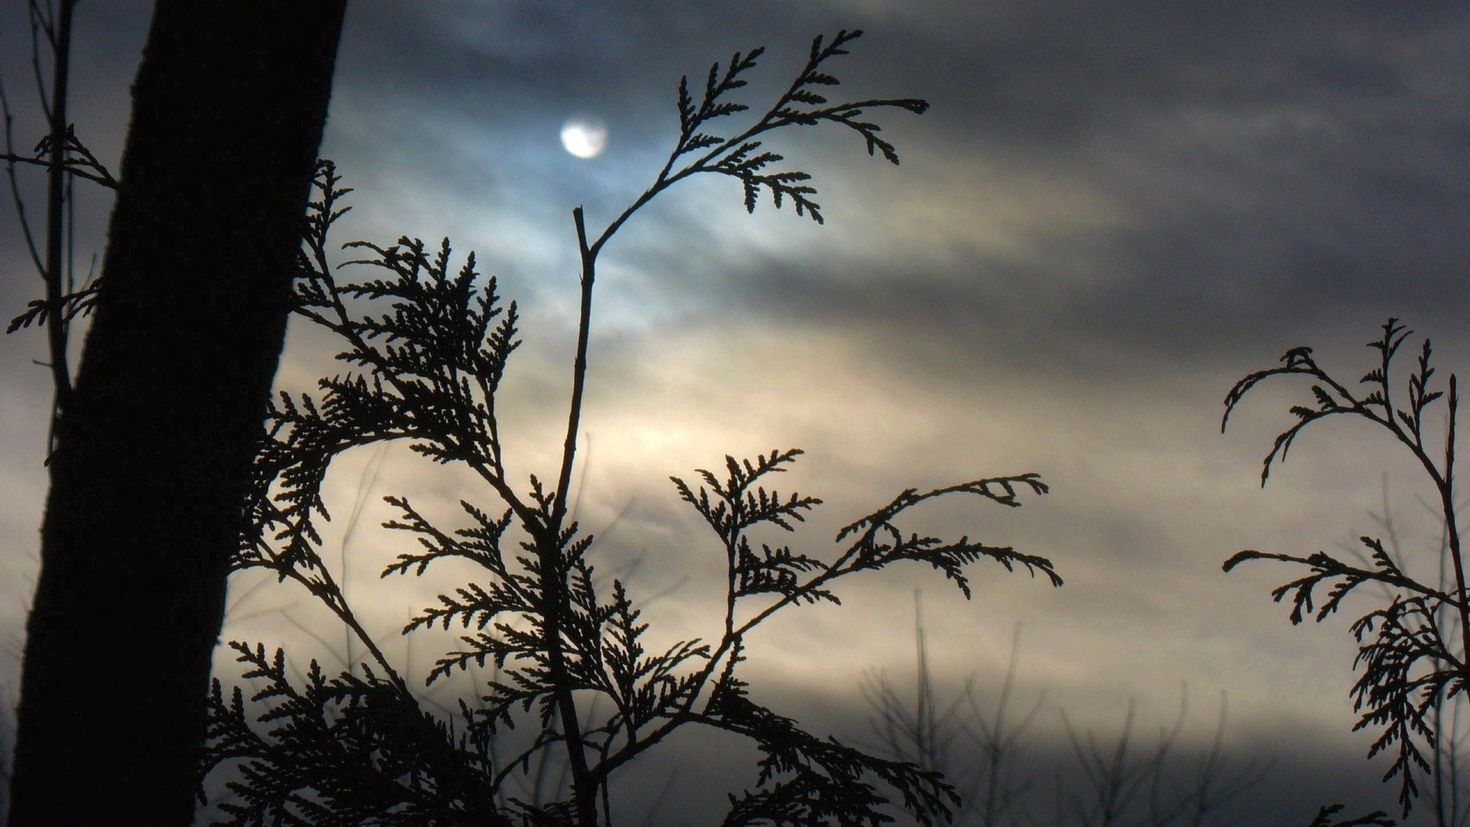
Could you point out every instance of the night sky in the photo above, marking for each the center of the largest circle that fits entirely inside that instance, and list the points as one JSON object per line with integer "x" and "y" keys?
{"x": 1105, "y": 219}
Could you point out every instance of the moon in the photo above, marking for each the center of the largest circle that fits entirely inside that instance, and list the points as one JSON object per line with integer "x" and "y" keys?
{"x": 584, "y": 136}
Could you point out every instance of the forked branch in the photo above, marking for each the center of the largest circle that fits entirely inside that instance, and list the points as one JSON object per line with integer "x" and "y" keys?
{"x": 1409, "y": 668}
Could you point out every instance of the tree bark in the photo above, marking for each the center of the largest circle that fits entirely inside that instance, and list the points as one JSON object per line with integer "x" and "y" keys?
{"x": 153, "y": 455}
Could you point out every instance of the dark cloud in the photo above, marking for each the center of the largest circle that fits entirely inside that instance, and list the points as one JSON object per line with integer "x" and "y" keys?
{"x": 1263, "y": 164}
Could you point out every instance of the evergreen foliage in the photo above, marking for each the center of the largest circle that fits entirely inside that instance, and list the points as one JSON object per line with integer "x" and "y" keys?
{"x": 1411, "y": 651}
{"x": 425, "y": 346}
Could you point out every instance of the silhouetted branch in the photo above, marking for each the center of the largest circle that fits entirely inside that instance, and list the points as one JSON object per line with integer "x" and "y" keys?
{"x": 1409, "y": 668}
{"x": 426, "y": 346}
{"x": 1377, "y": 818}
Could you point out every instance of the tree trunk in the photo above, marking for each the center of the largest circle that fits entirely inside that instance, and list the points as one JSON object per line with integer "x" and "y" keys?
{"x": 153, "y": 456}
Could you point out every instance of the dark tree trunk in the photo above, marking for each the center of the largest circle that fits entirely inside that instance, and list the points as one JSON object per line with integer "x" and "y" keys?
{"x": 153, "y": 454}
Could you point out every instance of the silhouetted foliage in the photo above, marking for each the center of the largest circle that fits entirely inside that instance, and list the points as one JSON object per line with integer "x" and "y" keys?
{"x": 1409, "y": 664}
{"x": 1324, "y": 818}
{"x": 426, "y": 344}
{"x": 1446, "y": 721}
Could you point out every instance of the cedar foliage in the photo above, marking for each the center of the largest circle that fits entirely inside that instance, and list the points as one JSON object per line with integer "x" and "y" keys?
{"x": 425, "y": 347}
{"x": 1410, "y": 658}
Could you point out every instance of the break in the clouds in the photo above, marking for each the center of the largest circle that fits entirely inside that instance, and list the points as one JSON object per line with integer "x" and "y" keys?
{"x": 1108, "y": 215}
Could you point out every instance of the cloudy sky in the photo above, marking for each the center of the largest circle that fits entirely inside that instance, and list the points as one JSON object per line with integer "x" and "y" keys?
{"x": 1106, "y": 218}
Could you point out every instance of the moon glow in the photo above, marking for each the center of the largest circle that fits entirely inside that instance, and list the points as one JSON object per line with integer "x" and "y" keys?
{"x": 584, "y": 136}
